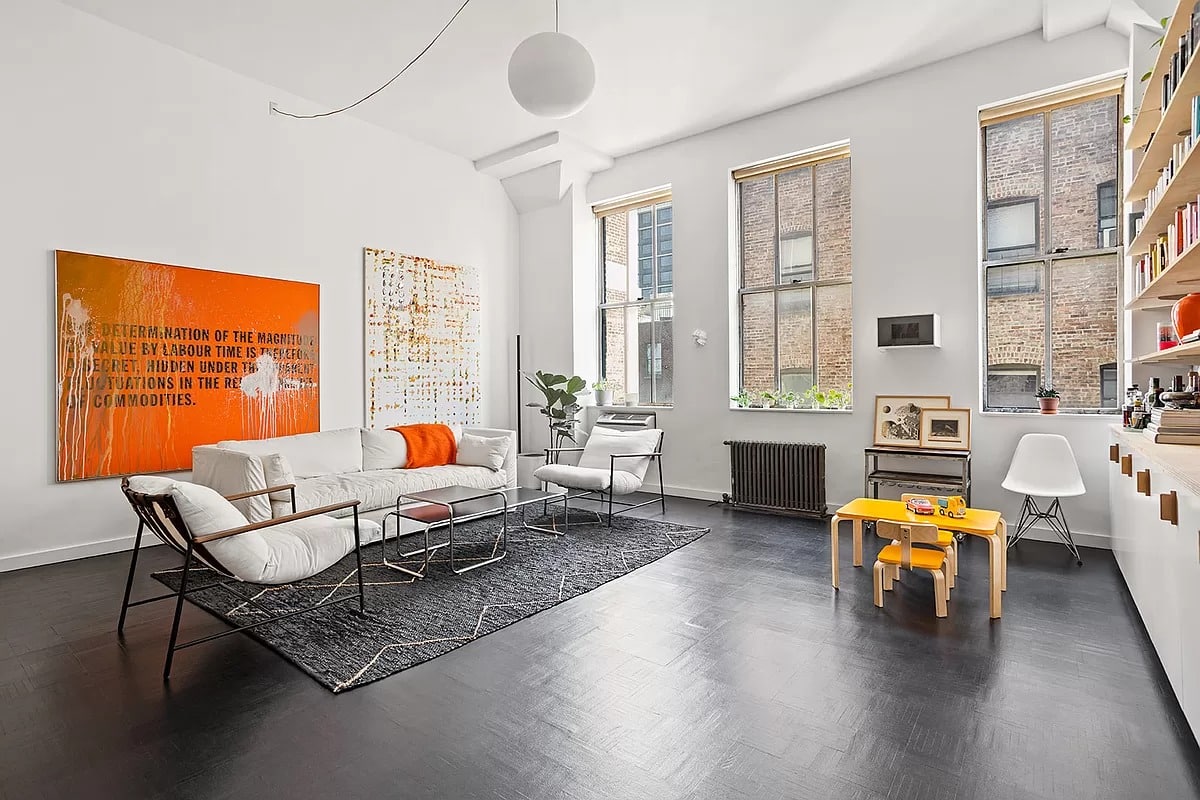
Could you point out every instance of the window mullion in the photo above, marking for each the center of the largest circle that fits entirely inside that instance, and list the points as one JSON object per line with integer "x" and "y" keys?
{"x": 1048, "y": 336}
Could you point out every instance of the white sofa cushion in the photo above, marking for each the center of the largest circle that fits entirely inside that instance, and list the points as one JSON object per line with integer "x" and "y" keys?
{"x": 482, "y": 451}
{"x": 232, "y": 472}
{"x": 605, "y": 442}
{"x": 310, "y": 454}
{"x": 380, "y": 488}
{"x": 277, "y": 471}
{"x": 589, "y": 479}
{"x": 383, "y": 449}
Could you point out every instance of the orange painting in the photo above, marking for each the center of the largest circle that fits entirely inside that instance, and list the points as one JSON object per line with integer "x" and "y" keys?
{"x": 154, "y": 359}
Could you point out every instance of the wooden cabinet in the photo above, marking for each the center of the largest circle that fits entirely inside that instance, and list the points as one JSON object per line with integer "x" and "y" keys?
{"x": 1156, "y": 541}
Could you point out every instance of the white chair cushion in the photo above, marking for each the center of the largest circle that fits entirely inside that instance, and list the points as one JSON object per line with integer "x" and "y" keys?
{"x": 384, "y": 449}
{"x": 588, "y": 479}
{"x": 310, "y": 454}
{"x": 605, "y": 442}
{"x": 481, "y": 451}
{"x": 204, "y": 510}
{"x": 301, "y": 549}
{"x": 278, "y": 472}
{"x": 233, "y": 472}
{"x": 282, "y": 553}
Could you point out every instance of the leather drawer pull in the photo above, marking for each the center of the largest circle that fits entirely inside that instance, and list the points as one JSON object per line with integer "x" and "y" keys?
{"x": 1127, "y": 466}
{"x": 1168, "y": 508}
{"x": 1143, "y": 482}
{"x": 1114, "y": 453}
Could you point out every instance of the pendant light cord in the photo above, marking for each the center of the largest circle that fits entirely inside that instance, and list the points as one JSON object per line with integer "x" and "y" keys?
{"x": 391, "y": 80}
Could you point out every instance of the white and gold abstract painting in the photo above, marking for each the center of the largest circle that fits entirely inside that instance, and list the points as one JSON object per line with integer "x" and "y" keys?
{"x": 422, "y": 340}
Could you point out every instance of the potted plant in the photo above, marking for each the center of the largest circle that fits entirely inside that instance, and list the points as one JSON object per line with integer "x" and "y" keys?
{"x": 1048, "y": 400}
{"x": 770, "y": 399}
{"x": 561, "y": 404}
{"x": 603, "y": 392}
{"x": 815, "y": 397}
{"x": 835, "y": 398}
{"x": 742, "y": 399}
{"x": 787, "y": 400}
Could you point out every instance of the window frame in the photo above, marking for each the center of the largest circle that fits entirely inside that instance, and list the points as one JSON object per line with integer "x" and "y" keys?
{"x": 1046, "y": 257}
{"x": 633, "y": 204}
{"x": 808, "y": 160}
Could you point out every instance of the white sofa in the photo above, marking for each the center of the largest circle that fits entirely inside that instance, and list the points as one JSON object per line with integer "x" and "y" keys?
{"x": 334, "y": 466}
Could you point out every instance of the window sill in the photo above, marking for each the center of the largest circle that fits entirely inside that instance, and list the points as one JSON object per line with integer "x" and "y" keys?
{"x": 1104, "y": 413}
{"x": 795, "y": 410}
{"x": 611, "y": 407}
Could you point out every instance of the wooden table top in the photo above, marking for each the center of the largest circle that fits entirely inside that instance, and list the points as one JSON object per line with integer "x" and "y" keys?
{"x": 978, "y": 521}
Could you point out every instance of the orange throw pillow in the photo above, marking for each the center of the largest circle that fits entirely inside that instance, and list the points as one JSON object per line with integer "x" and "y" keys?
{"x": 428, "y": 445}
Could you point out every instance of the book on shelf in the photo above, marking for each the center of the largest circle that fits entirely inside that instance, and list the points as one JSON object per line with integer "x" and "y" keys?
{"x": 1182, "y": 232}
{"x": 1173, "y": 438}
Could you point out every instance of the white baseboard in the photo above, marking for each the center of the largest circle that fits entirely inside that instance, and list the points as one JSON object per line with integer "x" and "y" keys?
{"x": 73, "y": 552}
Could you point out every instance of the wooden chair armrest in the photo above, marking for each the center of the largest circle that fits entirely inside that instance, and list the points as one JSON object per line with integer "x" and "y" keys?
{"x": 635, "y": 455}
{"x": 257, "y": 526}
{"x": 243, "y": 495}
{"x": 564, "y": 449}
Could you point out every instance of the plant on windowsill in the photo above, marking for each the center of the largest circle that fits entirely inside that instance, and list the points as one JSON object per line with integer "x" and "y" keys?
{"x": 742, "y": 399}
{"x": 815, "y": 397}
{"x": 836, "y": 398}
{"x": 1048, "y": 399}
{"x": 561, "y": 403}
{"x": 603, "y": 392}
{"x": 787, "y": 400}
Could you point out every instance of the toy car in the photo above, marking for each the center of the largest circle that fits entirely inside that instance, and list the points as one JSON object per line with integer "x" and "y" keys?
{"x": 919, "y": 505}
{"x": 954, "y": 507}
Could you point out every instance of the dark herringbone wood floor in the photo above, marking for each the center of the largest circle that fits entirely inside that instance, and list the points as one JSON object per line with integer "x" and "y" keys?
{"x": 729, "y": 669}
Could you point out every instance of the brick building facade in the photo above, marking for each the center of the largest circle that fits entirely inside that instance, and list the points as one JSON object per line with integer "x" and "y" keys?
{"x": 1083, "y": 291}
{"x": 808, "y": 227}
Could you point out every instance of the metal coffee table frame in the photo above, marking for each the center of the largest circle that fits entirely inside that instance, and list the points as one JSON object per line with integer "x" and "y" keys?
{"x": 445, "y": 508}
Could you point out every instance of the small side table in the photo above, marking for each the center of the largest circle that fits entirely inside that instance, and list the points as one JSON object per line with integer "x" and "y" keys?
{"x": 924, "y": 475}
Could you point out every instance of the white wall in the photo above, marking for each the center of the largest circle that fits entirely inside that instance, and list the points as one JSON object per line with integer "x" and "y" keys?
{"x": 915, "y": 195}
{"x": 117, "y": 145}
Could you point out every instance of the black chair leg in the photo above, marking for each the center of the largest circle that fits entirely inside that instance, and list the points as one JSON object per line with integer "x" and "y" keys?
{"x": 187, "y": 563}
{"x": 362, "y": 600}
{"x": 137, "y": 544}
{"x": 662, "y": 489}
{"x": 610, "y": 505}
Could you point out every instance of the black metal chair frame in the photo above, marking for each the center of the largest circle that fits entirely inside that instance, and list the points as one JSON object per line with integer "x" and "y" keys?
{"x": 1054, "y": 518}
{"x": 607, "y": 496}
{"x": 145, "y": 505}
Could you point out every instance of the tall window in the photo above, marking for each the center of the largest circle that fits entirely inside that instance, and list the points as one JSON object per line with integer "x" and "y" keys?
{"x": 1051, "y": 236}
{"x": 637, "y": 275}
{"x": 794, "y": 272}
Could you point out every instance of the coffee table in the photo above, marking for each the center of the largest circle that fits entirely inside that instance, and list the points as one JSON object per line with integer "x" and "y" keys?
{"x": 453, "y": 505}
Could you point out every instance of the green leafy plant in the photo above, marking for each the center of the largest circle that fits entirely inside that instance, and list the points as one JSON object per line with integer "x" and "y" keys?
{"x": 815, "y": 397}
{"x": 561, "y": 403}
{"x": 742, "y": 399}
{"x": 1046, "y": 391}
{"x": 600, "y": 386}
{"x": 836, "y": 398}
{"x": 787, "y": 399}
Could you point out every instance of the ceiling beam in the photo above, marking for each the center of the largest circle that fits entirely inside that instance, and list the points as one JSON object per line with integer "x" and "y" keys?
{"x": 1064, "y": 17}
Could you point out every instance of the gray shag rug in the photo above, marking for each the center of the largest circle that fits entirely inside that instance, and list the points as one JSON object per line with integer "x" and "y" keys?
{"x": 410, "y": 621}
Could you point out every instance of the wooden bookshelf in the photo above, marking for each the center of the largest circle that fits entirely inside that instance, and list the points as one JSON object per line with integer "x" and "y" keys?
{"x": 1173, "y": 126}
{"x": 1189, "y": 353}
{"x": 1182, "y": 189}
{"x": 1147, "y": 119}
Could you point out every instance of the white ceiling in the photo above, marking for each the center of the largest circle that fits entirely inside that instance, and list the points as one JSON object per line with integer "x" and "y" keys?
{"x": 664, "y": 68}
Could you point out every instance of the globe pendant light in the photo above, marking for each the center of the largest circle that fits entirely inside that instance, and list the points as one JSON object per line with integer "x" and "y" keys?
{"x": 551, "y": 74}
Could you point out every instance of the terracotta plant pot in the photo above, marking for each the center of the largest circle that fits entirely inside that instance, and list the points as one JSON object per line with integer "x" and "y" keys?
{"x": 1049, "y": 405}
{"x": 1185, "y": 314}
